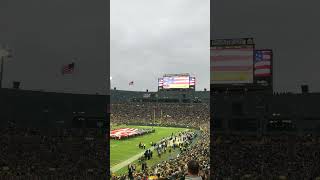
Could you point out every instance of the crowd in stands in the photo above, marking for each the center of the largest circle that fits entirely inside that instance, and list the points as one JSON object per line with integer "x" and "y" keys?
{"x": 53, "y": 153}
{"x": 167, "y": 114}
{"x": 266, "y": 157}
{"x": 176, "y": 168}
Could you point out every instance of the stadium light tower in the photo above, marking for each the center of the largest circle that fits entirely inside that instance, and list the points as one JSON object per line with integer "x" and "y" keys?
{"x": 110, "y": 82}
{"x": 4, "y": 53}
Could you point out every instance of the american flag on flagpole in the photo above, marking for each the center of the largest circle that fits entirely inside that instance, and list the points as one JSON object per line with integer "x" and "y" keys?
{"x": 262, "y": 63}
{"x": 68, "y": 69}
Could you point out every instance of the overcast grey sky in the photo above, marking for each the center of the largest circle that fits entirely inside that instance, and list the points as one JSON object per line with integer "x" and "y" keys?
{"x": 290, "y": 28}
{"x": 150, "y": 38}
{"x": 45, "y": 34}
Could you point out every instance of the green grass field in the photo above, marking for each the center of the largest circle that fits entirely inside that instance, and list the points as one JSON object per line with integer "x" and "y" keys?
{"x": 121, "y": 150}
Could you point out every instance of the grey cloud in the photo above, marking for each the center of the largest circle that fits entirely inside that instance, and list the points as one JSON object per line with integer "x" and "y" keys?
{"x": 46, "y": 34}
{"x": 288, "y": 27}
{"x": 150, "y": 38}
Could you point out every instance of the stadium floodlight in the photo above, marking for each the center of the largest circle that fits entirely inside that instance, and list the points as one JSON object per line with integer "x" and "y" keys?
{"x": 4, "y": 53}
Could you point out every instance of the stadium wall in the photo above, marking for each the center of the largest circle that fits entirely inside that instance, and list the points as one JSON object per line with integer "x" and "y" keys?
{"x": 266, "y": 113}
{"x": 120, "y": 96}
{"x": 49, "y": 109}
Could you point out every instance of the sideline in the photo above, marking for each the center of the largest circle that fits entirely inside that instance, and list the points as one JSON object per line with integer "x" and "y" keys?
{"x": 137, "y": 156}
{"x": 128, "y": 161}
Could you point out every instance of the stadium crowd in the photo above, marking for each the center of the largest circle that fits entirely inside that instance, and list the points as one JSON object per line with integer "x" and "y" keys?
{"x": 177, "y": 169}
{"x": 168, "y": 114}
{"x": 55, "y": 153}
{"x": 266, "y": 157}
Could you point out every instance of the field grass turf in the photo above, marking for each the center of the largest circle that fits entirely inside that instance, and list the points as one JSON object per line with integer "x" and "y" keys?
{"x": 121, "y": 150}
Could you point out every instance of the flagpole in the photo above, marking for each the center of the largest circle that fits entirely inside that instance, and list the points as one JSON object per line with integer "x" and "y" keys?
{"x": 4, "y": 52}
{"x": 74, "y": 75}
{"x": 110, "y": 84}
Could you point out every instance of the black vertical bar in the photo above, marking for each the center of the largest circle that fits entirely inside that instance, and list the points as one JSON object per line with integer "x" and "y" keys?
{"x": 1, "y": 73}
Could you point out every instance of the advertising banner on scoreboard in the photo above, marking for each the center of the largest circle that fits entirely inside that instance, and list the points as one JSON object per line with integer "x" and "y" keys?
{"x": 176, "y": 82}
{"x": 231, "y": 61}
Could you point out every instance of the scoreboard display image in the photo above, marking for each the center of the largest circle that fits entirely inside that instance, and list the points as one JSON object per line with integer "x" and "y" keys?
{"x": 263, "y": 67}
{"x": 231, "y": 61}
{"x": 176, "y": 82}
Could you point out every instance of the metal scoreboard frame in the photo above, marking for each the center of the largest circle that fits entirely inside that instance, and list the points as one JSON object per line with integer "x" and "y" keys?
{"x": 232, "y": 42}
{"x": 190, "y": 88}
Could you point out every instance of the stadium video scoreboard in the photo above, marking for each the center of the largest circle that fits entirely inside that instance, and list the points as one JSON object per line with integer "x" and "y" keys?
{"x": 263, "y": 68}
{"x": 235, "y": 63}
{"x": 231, "y": 61}
{"x": 176, "y": 82}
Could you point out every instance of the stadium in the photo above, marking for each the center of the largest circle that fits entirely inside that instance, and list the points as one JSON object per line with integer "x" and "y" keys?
{"x": 258, "y": 133}
{"x": 160, "y": 131}
{"x": 50, "y": 135}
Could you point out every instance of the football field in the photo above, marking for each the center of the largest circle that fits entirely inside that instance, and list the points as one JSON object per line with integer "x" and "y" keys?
{"x": 122, "y": 150}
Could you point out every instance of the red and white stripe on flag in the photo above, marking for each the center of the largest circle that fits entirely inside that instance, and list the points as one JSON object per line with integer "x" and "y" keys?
{"x": 123, "y": 132}
{"x": 231, "y": 60}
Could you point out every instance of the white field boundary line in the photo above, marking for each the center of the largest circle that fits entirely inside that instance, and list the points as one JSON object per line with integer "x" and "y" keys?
{"x": 128, "y": 161}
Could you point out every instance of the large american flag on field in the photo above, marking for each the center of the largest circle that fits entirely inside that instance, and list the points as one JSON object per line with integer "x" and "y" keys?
{"x": 231, "y": 65}
{"x": 192, "y": 81}
{"x": 262, "y": 63}
{"x": 68, "y": 69}
{"x": 124, "y": 132}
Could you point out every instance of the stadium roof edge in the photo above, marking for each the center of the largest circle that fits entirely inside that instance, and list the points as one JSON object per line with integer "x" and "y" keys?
{"x": 42, "y": 91}
{"x": 154, "y": 91}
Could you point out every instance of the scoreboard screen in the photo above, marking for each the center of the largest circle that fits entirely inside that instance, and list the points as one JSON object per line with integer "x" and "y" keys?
{"x": 231, "y": 61}
{"x": 176, "y": 82}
